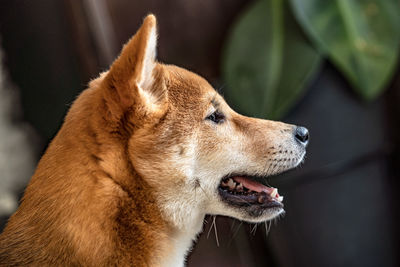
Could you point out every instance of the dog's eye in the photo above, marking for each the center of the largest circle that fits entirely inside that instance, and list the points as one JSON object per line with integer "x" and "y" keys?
{"x": 216, "y": 117}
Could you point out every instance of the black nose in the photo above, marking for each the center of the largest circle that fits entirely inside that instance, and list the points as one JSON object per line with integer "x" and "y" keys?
{"x": 302, "y": 135}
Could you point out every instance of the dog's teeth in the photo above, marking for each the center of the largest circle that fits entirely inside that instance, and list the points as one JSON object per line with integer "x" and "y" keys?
{"x": 224, "y": 183}
{"x": 231, "y": 184}
{"x": 274, "y": 192}
{"x": 280, "y": 198}
{"x": 239, "y": 187}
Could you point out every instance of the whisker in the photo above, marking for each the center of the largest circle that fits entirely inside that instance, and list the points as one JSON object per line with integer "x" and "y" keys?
{"x": 267, "y": 227}
{"x": 209, "y": 230}
{"x": 205, "y": 193}
{"x": 269, "y": 167}
{"x": 254, "y": 229}
{"x": 216, "y": 232}
{"x": 235, "y": 233}
{"x": 232, "y": 224}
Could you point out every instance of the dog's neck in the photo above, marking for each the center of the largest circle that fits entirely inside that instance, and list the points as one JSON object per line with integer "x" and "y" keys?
{"x": 179, "y": 221}
{"x": 140, "y": 218}
{"x": 181, "y": 224}
{"x": 186, "y": 233}
{"x": 169, "y": 231}
{"x": 187, "y": 222}
{"x": 182, "y": 241}
{"x": 172, "y": 241}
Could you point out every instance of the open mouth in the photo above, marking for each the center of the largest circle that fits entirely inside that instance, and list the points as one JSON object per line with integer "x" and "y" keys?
{"x": 247, "y": 191}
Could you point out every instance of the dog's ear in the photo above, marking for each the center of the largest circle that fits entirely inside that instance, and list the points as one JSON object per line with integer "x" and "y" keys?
{"x": 132, "y": 83}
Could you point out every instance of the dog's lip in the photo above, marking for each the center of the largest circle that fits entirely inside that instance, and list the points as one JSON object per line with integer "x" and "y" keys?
{"x": 249, "y": 200}
{"x": 244, "y": 190}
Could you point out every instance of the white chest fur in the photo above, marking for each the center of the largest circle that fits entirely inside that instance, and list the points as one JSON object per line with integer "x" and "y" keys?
{"x": 182, "y": 242}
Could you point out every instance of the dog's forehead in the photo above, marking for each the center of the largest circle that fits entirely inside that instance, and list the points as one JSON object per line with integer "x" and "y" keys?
{"x": 184, "y": 83}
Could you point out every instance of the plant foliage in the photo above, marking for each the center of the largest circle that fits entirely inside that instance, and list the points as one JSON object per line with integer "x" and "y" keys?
{"x": 268, "y": 62}
{"x": 361, "y": 37}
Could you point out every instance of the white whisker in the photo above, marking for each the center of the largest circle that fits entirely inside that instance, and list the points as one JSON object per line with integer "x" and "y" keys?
{"x": 254, "y": 229}
{"x": 267, "y": 227}
{"x": 235, "y": 233}
{"x": 215, "y": 230}
{"x": 209, "y": 230}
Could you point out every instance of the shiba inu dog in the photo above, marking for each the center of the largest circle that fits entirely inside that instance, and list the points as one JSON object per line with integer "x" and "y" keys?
{"x": 143, "y": 155}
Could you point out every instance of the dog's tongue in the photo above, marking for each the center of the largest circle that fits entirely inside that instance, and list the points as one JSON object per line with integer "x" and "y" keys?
{"x": 254, "y": 186}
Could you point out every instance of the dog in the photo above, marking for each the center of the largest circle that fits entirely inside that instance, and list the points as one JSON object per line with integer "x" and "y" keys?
{"x": 143, "y": 155}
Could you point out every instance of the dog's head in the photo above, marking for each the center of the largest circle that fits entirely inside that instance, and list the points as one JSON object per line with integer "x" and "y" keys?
{"x": 197, "y": 154}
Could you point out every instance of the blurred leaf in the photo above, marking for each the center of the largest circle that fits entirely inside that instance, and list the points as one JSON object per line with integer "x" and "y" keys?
{"x": 267, "y": 61}
{"x": 360, "y": 36}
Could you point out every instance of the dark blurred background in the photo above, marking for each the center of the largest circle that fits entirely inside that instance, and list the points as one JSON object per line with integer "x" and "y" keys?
{"x": 342, "y": 206}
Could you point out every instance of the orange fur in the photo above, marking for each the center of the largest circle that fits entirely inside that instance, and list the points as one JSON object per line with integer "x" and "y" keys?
{"x": 133, "y": 146}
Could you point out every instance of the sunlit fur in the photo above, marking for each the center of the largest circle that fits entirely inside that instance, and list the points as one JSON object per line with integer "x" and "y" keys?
{"x": 135, "y": 167}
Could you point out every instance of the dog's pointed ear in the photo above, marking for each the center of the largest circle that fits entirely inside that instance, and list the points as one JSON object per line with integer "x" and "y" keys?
{"x": 131, "y": 80}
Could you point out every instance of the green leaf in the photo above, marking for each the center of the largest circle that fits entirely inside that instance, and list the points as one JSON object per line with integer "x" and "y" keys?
{"x": 267, "y": 61}
{"x": 361, "y": 37}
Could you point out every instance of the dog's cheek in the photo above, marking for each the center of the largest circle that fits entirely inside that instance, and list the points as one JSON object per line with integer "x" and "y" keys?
{"x": 218, "y": 151}
{"x": 163, "y": 163}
